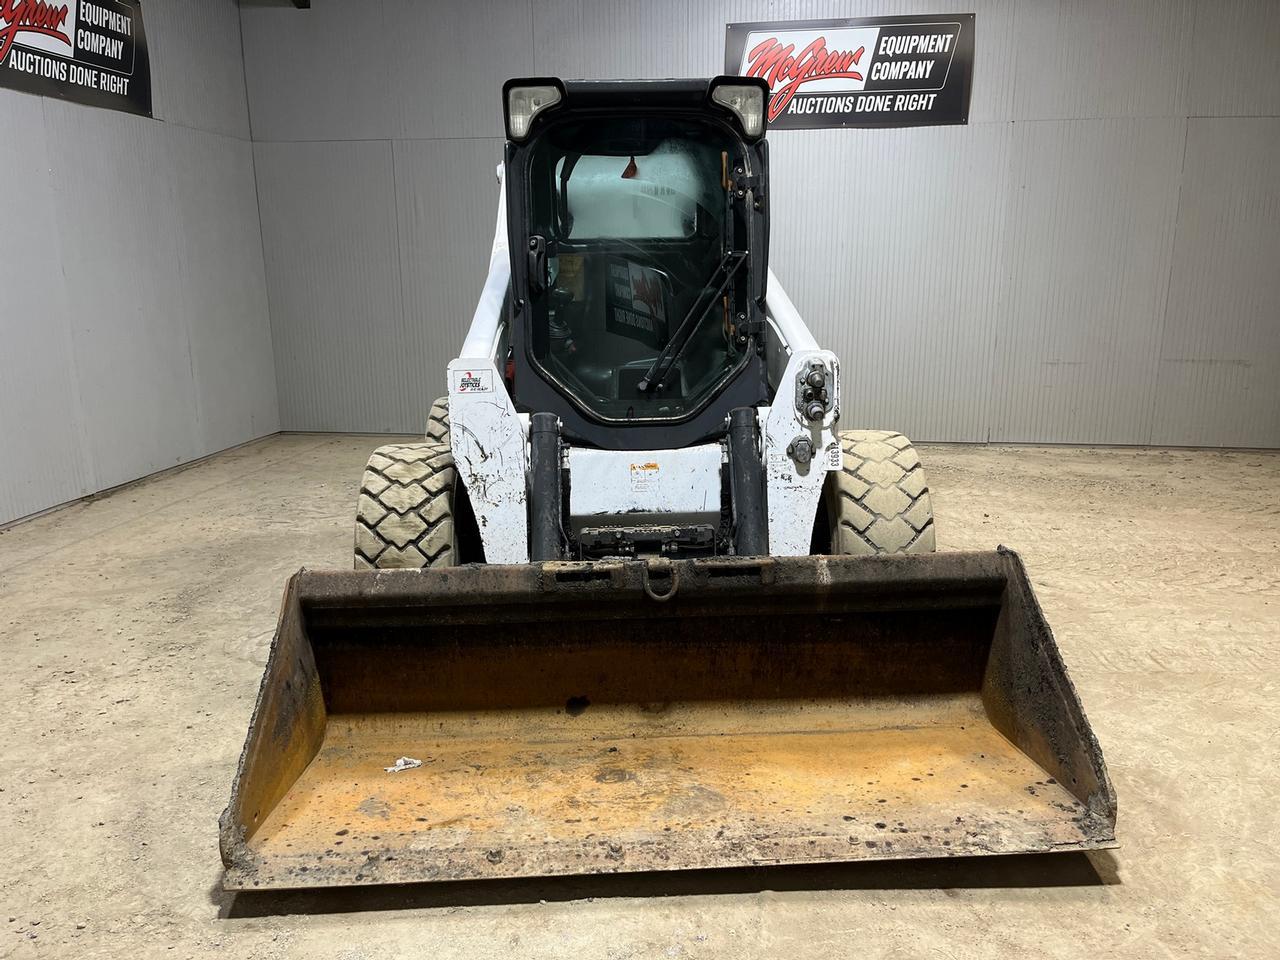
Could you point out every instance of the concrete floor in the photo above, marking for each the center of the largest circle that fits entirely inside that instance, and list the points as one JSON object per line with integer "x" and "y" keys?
{"x": 135, "y": 629}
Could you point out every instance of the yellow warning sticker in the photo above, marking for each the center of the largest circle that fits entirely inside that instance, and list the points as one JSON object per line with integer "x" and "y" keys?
{"x": 644, "y": 476}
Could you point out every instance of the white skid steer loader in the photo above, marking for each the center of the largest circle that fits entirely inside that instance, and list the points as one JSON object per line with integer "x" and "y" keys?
{"x": 661, "y": 612}
{"x": 635, "y": 382}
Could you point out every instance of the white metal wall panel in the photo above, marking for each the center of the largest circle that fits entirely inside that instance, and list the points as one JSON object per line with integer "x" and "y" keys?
{"x": 333, "y": 277}
{"x": 321, "y": 73}
{"x": 1099, "y": 58}
{"x": 42, "y": 456}
{"x": 119, "y": 232}
{"x": 223, "y": 287}
{"x": 134, "y": 325}
{"x": 1235, "y": 53}
{"x": 1088, "y": 247}
{"x": 197, "y": 73}
{"x": 1220, "y": 355}
{"x": 1010, "y": 280}
{"x": 446, "y": 199}
{"x": 447, "y": 62}
{"x": 898, "y": 269}
{"x": 612, "y": 39}
{"x": 993, "y": 55}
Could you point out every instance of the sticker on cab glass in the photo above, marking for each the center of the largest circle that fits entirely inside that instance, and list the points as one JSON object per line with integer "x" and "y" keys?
{"x": 637, "y": 303}
{"x": 472, "y": 381}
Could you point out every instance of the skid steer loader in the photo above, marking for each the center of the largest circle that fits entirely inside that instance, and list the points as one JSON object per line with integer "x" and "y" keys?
{"x": 637, "y": 632}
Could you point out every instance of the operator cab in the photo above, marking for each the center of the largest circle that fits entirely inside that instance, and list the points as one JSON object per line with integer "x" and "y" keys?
{"x": 638, "y": 231}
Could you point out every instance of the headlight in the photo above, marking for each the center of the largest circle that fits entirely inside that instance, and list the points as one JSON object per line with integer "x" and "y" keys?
{"x": 525, "y": 103}
{"x": 746, "y": 100}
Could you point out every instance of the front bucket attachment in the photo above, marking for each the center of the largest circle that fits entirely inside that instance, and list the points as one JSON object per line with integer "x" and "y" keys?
{"x": 597, "y": 718}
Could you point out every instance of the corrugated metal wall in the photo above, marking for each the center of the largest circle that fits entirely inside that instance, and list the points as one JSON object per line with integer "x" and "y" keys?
{"x": 134, "y": 332}
{"x": 1092, "y": 259}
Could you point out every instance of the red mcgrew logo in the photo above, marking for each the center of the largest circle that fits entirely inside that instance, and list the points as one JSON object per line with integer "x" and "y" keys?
{"x": 773, "y": 60}
{"x": 31, "y": 16}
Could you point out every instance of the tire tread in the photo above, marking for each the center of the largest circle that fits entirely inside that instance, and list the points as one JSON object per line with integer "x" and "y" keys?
{"x": 404, "y": 513}
{"x": 438, "y": 421}
{"x": 879, "y": 500}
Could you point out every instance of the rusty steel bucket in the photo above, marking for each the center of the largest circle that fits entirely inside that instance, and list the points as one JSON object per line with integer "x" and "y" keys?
{"x": 602, "y": 717}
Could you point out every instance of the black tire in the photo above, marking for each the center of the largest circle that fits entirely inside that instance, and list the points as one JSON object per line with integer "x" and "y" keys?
{"x": 405, "y": 512}
{"x": 438, "y": 421}
{"x": 878, "y": 502}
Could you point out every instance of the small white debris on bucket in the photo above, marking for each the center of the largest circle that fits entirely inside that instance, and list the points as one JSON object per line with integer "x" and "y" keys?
{"x": 403, "y": 763}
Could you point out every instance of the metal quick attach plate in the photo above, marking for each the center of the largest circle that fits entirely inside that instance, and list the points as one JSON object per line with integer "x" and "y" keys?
{"x": 609, "y": 488}
{"x": 628, "y": 542}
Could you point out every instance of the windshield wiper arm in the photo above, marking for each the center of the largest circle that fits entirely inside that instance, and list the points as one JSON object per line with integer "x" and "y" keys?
{"x": 716, "y": 286}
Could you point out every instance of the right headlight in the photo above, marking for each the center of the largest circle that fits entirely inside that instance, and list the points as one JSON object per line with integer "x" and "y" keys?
{"x": 746, "y": 100}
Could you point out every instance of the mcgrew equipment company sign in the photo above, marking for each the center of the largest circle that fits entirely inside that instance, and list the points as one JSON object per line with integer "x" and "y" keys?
{"x": 868, "y": 72}
{"x": 90, "y": 51}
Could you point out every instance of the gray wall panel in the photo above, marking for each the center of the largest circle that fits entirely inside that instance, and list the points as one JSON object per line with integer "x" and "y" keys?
{"x": 898, "y": 270}
{"x": 1006, "y": 279}
{"x": 1089, "y": 245}
{"x": 1236, "y": 44}
{"x": 445, "y": 237}
{"x": 42, "y": 453}
{"x": 223, "y": 288}
{"x": 197, "y": 71}
{"x": 400, "y": 68}
{"x": 371, "y": 293}
{"x": 333, "y": 276}
{"x": 610, "y": 39}
{"x": 1100, "y": 58}
{"x": 319, "y": 74}
{"x": 131, "y": 340}
{"x": 447, "y": 62}
{"x": 1220, "y": 357}
{"x": 135, "y": 327}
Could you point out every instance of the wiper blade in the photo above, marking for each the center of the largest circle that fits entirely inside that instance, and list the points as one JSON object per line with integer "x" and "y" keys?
{"x": 716, "y": 286}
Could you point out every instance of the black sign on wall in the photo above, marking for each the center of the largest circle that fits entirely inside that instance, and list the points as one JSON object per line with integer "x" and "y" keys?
{"x": 868, "y": 72}
{"x": 90, "y": 51}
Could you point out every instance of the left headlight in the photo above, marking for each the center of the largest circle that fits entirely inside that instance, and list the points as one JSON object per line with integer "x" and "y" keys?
{"x": 525, "y": 103}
